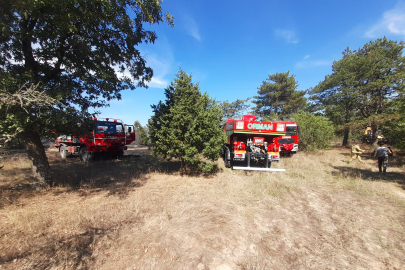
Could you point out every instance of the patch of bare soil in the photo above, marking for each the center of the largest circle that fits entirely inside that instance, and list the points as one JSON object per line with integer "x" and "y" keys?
{"x": 140, "y": 213}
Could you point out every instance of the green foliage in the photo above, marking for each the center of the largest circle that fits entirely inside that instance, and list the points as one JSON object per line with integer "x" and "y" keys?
{"x": 315, "y": 131}
{"x": 30, "y": 108}
{"x": 279, "y": 96}
{"x": 362, "y": 83}
{"x": 141, "y": 133}
{"x": 235, "y": 109}
{"x": 186, "y": 125}
{"x": 77, "y": 54}
{"x": 77, "y": 51}
{"x": 394, "y": 127}
{"x": 395, "y": 132}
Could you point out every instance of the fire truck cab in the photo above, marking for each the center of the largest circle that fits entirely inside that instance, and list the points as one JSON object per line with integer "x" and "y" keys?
{"x": 107, "y": 136}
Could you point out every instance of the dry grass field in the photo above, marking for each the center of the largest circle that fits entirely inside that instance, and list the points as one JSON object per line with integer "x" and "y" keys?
{"x": 141, "y": 213}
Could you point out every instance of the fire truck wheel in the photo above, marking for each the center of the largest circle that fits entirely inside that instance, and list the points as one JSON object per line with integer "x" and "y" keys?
{"x": 227, "y": 158}
{"x": 63, "y": 152}
{"x": 84, "y": 156}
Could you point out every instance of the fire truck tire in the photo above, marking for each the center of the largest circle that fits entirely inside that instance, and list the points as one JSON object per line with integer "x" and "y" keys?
{"x": 227, "y": 158}
{"x": 84, "y": 156}
{"x": 63, "y": 151}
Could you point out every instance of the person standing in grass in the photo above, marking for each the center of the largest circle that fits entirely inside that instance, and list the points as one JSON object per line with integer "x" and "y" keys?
{"x": 355, "y": 154}
{"x": 382, "y": 154}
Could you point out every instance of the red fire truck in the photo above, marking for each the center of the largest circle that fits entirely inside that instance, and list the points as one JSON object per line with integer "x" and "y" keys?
{"x": 256, "y": 144}
{"x": 107, "y": 136}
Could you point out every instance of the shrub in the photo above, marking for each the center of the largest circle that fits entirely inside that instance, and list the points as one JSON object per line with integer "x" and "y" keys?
{"x": 316, "y": 132}
{"x": 186, "y": 125}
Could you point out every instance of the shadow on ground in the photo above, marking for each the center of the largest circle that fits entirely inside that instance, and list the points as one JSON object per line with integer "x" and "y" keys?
{"x": 397, "y": 160}
{"x": 117, "y": 176}
{"x": 369, "y": 175}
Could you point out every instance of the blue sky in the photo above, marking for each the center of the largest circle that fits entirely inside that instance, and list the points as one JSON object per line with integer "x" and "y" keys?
{"x": 231, "y": 47}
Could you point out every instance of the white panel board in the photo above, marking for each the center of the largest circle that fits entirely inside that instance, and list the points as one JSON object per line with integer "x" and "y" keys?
{"x": 258, "y": 169}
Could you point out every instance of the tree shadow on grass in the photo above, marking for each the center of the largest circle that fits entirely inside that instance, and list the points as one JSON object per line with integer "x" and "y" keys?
{"x": 346, "y": 171}
{"x": 117, "y": 176}
{"x": 397, "y": 160}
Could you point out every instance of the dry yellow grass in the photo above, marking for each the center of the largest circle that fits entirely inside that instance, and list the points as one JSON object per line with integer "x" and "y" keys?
{"x": 140, "y": 213}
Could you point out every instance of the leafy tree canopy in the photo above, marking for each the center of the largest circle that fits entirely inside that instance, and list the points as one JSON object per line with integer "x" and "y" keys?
{"x": 362, "y": 82}
{"x": 278, "y": 96}
{"x": 316, "y": 132}
{"x": 77, "y": 53}
{"x": 394, "y": 126}
{"x": 186, "y": 125}
{"x": 78, "y": 48}
{"x": 235, "y": 109}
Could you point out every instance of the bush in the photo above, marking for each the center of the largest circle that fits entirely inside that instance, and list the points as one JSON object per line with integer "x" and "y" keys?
{"x": 395, "y": 132}
{"x": 316, "y": 132}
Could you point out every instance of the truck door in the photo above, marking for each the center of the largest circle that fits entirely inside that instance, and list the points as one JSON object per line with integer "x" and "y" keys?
{"x": 129, "y": 134}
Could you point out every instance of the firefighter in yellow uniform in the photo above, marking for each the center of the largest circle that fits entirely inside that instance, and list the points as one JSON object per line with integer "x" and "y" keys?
{"x": 356, "y": 151}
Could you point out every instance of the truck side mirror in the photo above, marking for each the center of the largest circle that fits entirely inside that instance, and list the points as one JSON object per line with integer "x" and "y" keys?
{"x": 129, "y": 129}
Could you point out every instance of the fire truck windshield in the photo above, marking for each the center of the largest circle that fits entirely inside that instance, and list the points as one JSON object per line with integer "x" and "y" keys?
{"x": 291, "y": 131}
{"x": 109, "y": 128}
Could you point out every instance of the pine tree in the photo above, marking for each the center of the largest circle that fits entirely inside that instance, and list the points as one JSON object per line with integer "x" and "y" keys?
{"x": 278, "y": 96}
{"x": 235, "y": 109}
{"x": 186, "y": 125}
{"x": 361, "y": 85}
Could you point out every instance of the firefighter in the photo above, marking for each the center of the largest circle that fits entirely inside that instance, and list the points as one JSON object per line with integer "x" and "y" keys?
{"x": 382, "y": 154}
{"x": 355, "y": 153}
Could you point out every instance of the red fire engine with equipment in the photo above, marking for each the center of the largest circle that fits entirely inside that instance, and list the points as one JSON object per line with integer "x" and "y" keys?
{"x": 107, "y": 136}
{"x": 257, "y": 144}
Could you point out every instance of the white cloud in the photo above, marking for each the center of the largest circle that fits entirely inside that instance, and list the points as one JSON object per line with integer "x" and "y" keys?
{"x": 191, "y": 27}
{"x": 162, "y": 62}
{"x": 306, "y": 56}
{"x": 158, "y": 83}
{"x": 159, "y": 71}
{"x": 161, "y": 68}
{"x": 393, "y": 22}
{"x": 160, "y": 58}
{"x": 288, "y": 35}
{"x": 314, "y": 63}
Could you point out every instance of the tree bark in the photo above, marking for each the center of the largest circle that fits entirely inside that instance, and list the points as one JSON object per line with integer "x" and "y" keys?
{"x": 36, "y": 153}
{"x": 346, "y": 136}
{"x": 374, "y": 127}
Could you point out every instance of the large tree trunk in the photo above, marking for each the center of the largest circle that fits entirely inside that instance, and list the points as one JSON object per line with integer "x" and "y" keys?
{"x": 346, "y": 136}
{"x": 36, "y": 153}
{"x": 374, "y": 127}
